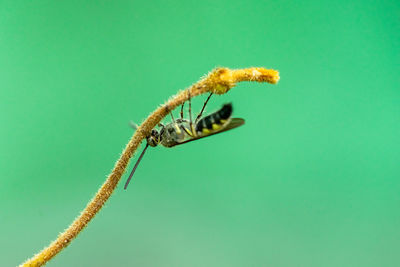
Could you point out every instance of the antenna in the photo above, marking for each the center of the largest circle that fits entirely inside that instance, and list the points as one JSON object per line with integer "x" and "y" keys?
{"x": 136, "y": 164}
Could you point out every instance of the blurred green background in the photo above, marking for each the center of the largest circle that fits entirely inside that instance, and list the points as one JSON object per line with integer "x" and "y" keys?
{"x": 312, "y": 179}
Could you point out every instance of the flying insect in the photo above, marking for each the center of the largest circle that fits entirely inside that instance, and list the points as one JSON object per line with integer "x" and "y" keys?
{"x": 182, "y": 131}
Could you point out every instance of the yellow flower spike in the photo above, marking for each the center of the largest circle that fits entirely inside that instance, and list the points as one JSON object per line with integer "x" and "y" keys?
{"x": 218, "y": 81}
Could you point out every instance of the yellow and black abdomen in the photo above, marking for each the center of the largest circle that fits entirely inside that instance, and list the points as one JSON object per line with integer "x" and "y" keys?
{"x": 215, "y": 121}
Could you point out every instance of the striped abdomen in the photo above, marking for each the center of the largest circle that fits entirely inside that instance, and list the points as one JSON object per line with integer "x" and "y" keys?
{"x": 214, "y": 121}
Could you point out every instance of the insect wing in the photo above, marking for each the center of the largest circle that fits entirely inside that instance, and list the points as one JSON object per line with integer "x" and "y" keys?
{"x": 233, "y": 123}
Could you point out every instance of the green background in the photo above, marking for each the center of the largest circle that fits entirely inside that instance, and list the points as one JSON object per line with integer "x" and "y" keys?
{"x": 312, "y": 179}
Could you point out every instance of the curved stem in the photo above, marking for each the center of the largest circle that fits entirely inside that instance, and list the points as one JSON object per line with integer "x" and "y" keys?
{"x": 218, "y": 81}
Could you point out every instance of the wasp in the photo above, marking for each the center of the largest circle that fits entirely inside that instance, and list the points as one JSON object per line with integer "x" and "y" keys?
{"x": 182, "y": 131}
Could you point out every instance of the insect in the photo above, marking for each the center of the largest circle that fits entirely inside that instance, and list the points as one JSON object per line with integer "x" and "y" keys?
{"x": 182, "y": 131}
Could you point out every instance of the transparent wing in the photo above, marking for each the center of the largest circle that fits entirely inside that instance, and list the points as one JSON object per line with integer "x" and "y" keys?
{"x": 234, "y": 123}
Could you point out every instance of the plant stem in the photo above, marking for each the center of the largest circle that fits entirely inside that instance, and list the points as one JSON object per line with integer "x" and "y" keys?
{"x": 218, "y": 81}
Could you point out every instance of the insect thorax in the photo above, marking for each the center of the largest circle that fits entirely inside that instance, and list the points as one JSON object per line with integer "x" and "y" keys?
{"x": 173, "y": 133}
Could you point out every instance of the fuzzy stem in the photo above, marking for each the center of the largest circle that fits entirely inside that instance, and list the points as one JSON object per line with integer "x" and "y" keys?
{"x": 218, "y": 81}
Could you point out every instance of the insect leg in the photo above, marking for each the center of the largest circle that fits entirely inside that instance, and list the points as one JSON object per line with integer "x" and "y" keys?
{"x": 187, "y": 131}
{"x": 172, "y": 116}
{"x": 170, "y": 112}
{"x": 204, "y": 106}
{"x": 190, "y": 112}
{"x": 182, "y": 110}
